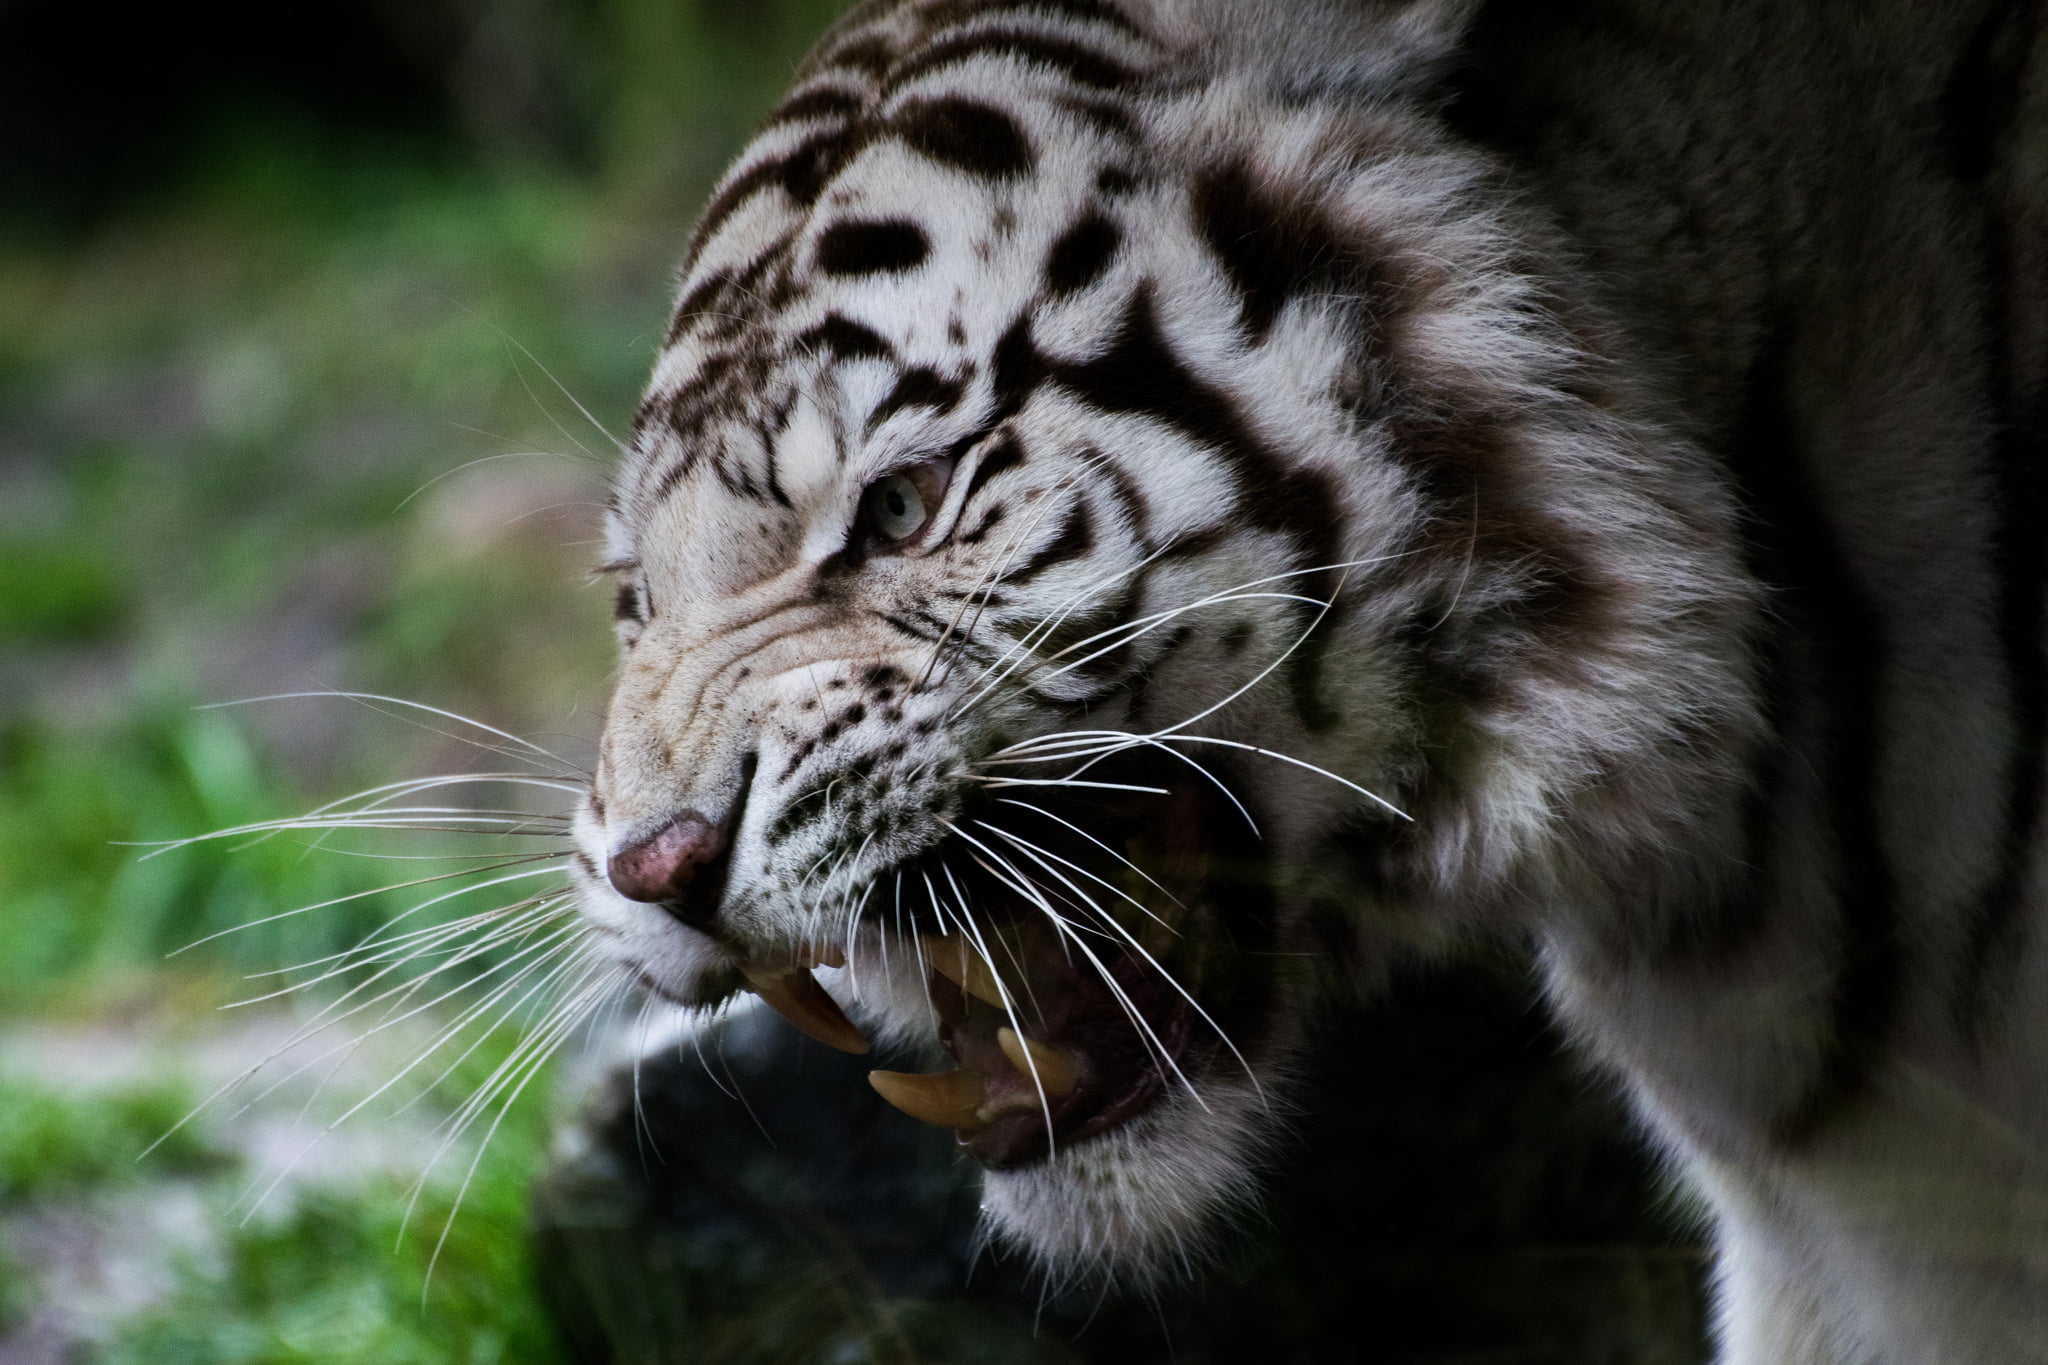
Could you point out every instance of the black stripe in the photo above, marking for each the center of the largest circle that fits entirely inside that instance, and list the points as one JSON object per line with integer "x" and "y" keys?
{"x": 1116, "y": 181}
{"x": 919, "y": 387}
{"x": 824, "y": 101}
{"x": 988, "y": 523}
{"x": 1102, "y": 614}
{"x": 1714, "y": 937}
{"x": 847, "y": 339}
{"x": 1190, "y": 544}
{"x": 671, "y": 479}
{"x": 1079, "y": 63}
{"x": 874, "y": 247}
{"x": 954, "y": 12}
{"x": 868, "y": 55}
{"x": 1076, "y": 537}
{"x": 1139, "y": 374}
{"x": 1081, "y": 254}
{"x": 1550, "y": 604}
{"x": 2019, "y": 557}
{"x": 1016, "y": 369}
{"x": 717, "y": 390}
{"x": 695, "y": 302}
{"x": 739, "y": 477}
{"x": 1829, "y": 616}
{"x": 983, "y": 599}
{"x": 1005, "y": 451}
{"x": 1136, "y": 506}
{"x": 928, "y": 631}
{"x": 768, "y": 432}
{"x": 801, "y": 173}
{"x": 1984, "y": 91}
{"x": 1274, "y": 250}
{"x": 1105, "y": 115}
{"x": 966, "y": 135}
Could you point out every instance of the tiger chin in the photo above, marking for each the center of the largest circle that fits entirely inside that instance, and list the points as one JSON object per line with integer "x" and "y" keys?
{"x": 1147, "y": 516}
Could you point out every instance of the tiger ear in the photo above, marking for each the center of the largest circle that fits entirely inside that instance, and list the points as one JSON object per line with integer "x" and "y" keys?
{"x": 1378, "y": 47}
{"x": 1424, "y": 34}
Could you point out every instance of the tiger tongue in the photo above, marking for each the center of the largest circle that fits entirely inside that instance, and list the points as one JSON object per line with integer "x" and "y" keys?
{"x": 796, "y": 995}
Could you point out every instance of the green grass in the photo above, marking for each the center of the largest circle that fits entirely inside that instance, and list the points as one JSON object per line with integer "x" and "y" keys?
{"x": 231, "y": 409}
{"x": 349, "y": 1276}
{"x": 304, "y": 422}
{"x": 56, "y": 1145}
{"x": 340, "y": 1274}
{"x": 259, "y": 538}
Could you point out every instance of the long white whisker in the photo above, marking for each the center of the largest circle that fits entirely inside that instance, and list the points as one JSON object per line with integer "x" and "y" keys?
{"x": 373, "y": 940}
{"x": 564, "y": 390}
{"x": 422, "y": 941}
{"x": 1021, "y": 883}
{"x": 565, "y": 948}
{"x": 1125, "y": 632}
{"x": 1068, "y": 782}
{"x": 446, "y": 1033}
{"x": 1019, "y": 653}
{"x": 1090, "y": 747}
{"x": 1039, "y": 856}
{"x": 341, "y": 1051}
{"x": 985, "y": 589}
{"x": 536, "y": 750}
{"x": 1236, "y": 592}
{"x": 400, "y": 993}
{"x": 358, "y": 895}
{"x": 404, "y": 990}
{"x": 584, "y": 999}
{"x": 968, "y": 926}
{"x": 1040, "y": 810}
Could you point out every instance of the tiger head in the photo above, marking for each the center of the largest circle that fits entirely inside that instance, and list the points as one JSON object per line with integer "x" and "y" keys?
{"x": 1096, "y": 570}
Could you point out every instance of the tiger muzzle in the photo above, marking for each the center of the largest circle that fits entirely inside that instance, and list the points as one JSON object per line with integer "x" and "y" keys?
{"x": 680, "y": 867}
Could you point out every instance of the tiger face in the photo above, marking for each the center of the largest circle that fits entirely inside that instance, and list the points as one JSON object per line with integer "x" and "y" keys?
{"x": 1078, "y": 585}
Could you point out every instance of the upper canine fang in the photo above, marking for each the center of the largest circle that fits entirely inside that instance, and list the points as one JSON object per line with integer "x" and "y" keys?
{"x": 955, "y": 958}
{"x": 798, "y": 997}
{"x": 1052, "y": 1069}
{"x": 948, "y": 1099}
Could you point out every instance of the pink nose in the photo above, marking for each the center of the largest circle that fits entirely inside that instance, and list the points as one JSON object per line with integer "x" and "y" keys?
{"x": 661, "y": 865}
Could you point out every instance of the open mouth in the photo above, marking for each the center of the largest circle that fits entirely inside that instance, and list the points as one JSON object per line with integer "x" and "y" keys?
{"x": 1083, "y": 1047}
{"x": 1097, "y": 970}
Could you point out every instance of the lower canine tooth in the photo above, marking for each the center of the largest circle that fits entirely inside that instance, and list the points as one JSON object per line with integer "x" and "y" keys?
{"x": 945, "y": 1098}
{"x": 1053, "y": 1068}
{"x": 798, "y": 997}
{"x": 954, "y": 958}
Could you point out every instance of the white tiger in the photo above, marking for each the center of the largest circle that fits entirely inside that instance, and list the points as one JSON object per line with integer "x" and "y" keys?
{"x": 1152, "y": 511}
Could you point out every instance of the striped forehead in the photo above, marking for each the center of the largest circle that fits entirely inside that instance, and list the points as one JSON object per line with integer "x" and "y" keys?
{"x": 873, "y": 309}
{"x": 940, "y": 174}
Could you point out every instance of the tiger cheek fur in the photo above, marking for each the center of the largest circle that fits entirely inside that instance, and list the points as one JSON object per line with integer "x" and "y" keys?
{"x": 1138, "y": 524}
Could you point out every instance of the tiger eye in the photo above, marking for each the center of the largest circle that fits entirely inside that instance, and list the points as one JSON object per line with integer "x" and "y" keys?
{"x": 895, "y": 507}
{"x": 898, "y": 507}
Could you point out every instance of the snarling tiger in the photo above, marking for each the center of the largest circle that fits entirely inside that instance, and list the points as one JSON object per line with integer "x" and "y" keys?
{"x": 1152, "y": 512}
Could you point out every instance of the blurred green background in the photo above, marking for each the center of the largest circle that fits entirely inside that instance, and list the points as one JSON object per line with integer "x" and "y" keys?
{"x": 299, "y": 307}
